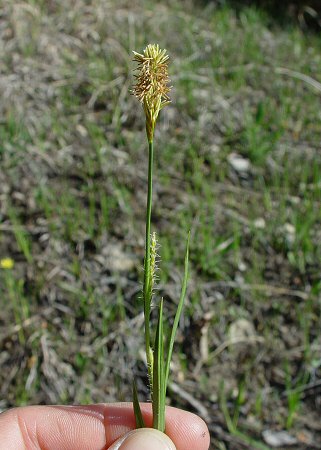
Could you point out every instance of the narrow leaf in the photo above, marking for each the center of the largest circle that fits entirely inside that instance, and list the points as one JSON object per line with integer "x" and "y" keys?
{"x": 159, "y": 375}
{"x": 137, "y": 411}
{"x": 177, "y": 315}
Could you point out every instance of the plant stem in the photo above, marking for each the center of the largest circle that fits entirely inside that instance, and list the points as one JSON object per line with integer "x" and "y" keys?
{"x": 158, "y": 375}
{"x": 147, "y": 281}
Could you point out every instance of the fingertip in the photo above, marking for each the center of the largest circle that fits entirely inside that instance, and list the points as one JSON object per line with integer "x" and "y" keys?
{"x": 187, "y": 429}
{"x": 144, "y": 439}
{"x": 200, "y": 432}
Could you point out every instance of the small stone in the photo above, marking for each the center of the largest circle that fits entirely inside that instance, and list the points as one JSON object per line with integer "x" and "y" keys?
{"x": 117, "y": 260}
{"x": 241, "y": 329}
{"x": 278, "y": 438}
{"x": 82, "y": 130}
{"x": 215, "y": 149}
{"x": 243, "y": 340}
{"x": 259, "y": 223}
{"x": 289, "y": 231}
{"x": 238, "y": 163}
{"x": 242, "y": 266}
{"x": 289, "y": 228}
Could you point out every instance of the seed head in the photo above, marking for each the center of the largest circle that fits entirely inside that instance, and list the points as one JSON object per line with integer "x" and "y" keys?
{"x": 153, "y": 259}
{"x": 151, "y": 87}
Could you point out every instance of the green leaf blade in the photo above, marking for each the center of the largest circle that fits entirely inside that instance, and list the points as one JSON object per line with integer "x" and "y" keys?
{"x": 178, "y": 313}
{"x": 137, "y": 411}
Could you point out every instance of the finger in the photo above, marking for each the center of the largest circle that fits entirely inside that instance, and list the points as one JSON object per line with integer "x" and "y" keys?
{"x": 186, "y": 430}
{"x": 144, "y": 439}
{"x": 92, "y": 427}
{"x": 52, "y": 428}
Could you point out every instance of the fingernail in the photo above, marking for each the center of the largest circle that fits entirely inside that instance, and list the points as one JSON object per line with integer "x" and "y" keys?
{"x": 144, "y": 439}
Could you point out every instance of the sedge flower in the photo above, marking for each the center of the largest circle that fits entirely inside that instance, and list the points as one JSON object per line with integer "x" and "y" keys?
{"x": 151, "y": 87}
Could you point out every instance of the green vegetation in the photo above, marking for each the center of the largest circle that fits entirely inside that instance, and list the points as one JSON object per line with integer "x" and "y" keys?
{"x": 240, "y": 167}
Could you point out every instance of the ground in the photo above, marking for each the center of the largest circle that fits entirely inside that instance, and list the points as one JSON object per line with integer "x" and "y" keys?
{"x": 237, "y": 162}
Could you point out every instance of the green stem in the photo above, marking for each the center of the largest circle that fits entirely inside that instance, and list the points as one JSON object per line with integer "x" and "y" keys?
{"x": 147, "y": 284}
{"x": 158, "y": 403}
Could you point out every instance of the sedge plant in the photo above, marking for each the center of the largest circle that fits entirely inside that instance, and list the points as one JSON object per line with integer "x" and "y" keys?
{"x": 152, "y": 91}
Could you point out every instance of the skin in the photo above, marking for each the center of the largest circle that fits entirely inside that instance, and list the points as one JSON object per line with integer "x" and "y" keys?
{"x": 92, "y": 427}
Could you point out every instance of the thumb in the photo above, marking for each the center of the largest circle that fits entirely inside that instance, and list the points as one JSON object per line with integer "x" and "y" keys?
{"x": 144, "y": 439}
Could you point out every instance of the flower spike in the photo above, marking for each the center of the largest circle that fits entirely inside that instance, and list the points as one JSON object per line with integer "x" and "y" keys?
{"x": 151, "y": 87}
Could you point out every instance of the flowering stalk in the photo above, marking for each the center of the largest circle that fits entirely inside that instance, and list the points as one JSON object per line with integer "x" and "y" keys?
{"x": 147, "y": 287}
{"x": 152, "y": 91}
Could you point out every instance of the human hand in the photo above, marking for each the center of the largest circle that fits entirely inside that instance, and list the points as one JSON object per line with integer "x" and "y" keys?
{"x": 97, "y": 427}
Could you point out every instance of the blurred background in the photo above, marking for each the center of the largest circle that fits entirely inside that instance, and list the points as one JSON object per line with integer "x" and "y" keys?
{"x": 237, "y": 161}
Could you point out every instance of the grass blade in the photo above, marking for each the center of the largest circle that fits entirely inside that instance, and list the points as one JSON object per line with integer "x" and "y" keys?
{"x": 159, "y": 375}
{"x": 178, "y": 314}
{"x": 137, "y": 411}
